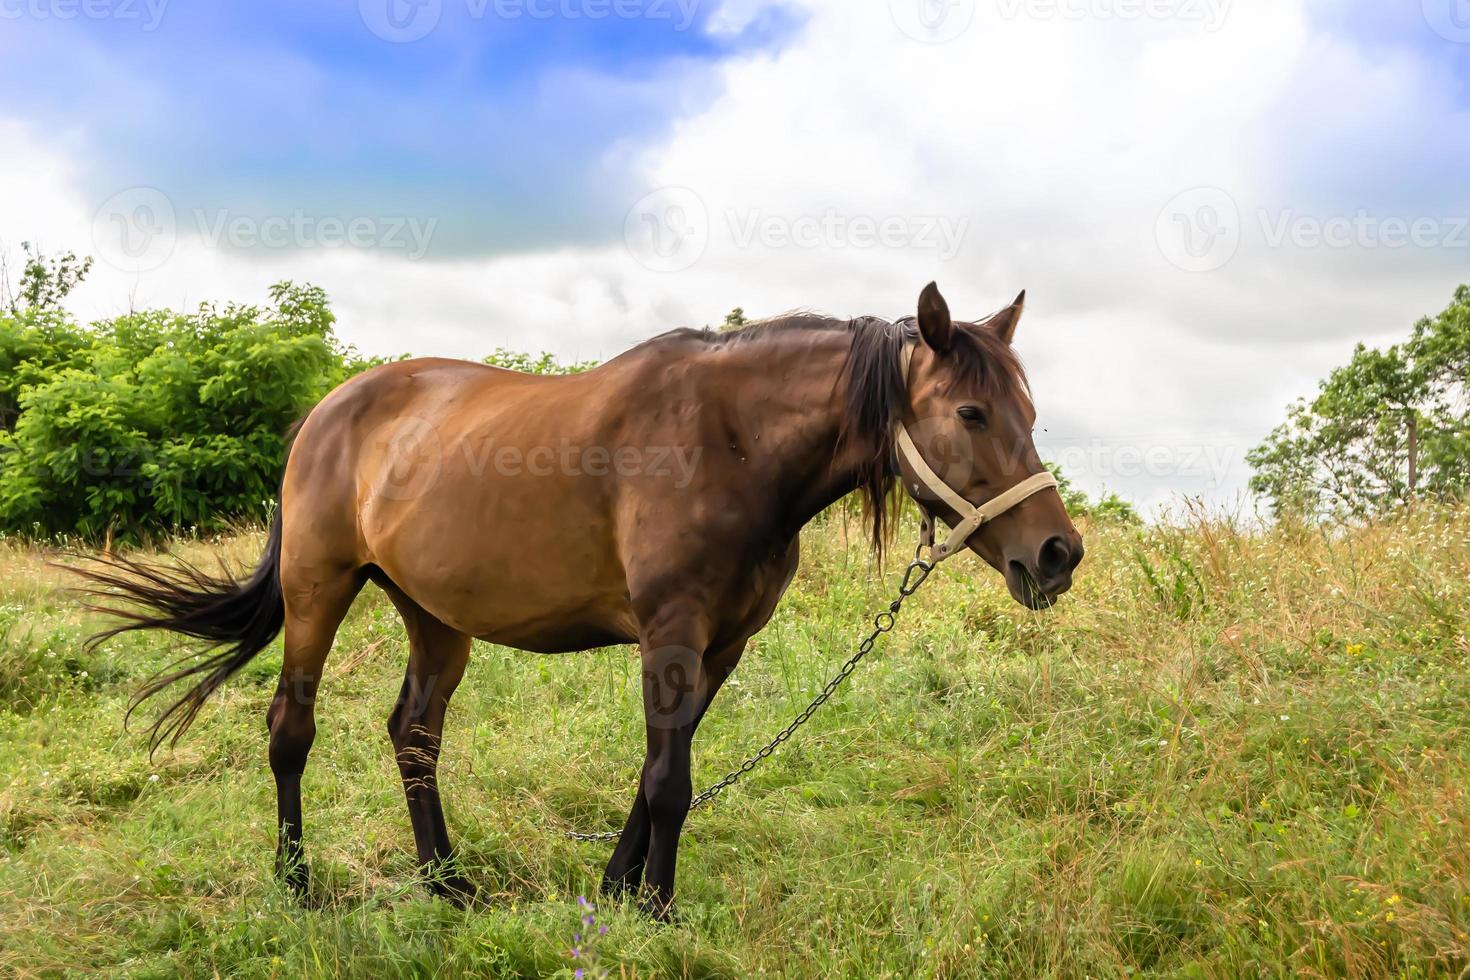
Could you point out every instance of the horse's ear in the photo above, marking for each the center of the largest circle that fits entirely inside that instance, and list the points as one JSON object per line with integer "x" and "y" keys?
{"x": 935, "y": 326}
{"x": 1004, "y": 322}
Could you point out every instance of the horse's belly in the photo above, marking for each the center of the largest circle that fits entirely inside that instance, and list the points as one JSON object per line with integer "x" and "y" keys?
{"x": 507, "y": 565}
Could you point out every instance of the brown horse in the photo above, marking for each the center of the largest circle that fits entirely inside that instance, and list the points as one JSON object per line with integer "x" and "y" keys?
{"x": 656, "y": 499}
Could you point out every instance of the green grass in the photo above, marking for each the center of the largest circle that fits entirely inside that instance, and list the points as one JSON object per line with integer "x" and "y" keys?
{"x": 1226, "y": 753}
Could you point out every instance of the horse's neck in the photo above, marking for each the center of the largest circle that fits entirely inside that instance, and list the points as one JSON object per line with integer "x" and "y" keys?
{"x": 790, "y": 397}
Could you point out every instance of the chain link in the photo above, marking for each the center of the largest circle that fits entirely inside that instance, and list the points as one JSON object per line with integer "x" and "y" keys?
{"x": 914, "y": 575}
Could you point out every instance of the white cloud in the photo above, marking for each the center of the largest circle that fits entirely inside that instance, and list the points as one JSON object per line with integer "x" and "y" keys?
{"x": 1053, "y": 141}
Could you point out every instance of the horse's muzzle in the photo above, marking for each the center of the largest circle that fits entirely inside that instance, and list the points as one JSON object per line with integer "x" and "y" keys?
{"x": 1037, "y": 583}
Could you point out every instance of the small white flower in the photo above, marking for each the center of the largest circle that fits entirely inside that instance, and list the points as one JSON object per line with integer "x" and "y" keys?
{"x": 1163, "y": 743}
{"x": 153, "y": 778}
{"x": 1286, "y": 717}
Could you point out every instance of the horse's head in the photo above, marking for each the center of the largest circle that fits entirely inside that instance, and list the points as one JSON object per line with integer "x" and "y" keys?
{"x": 970, "y": 417}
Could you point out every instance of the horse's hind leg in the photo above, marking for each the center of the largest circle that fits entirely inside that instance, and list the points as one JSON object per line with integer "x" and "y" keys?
{"x": 314, "y": 610}
{"x": 436, "y": 662}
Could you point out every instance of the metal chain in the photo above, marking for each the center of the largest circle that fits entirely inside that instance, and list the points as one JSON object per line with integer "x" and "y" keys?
{"x": 918, "y": 570}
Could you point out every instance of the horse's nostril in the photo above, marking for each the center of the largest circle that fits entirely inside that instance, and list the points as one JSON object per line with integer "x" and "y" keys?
{"x": 1055, "y": 558}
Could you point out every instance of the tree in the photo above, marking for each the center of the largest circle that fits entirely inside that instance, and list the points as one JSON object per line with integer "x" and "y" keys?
{"x": 44, "y": 281}
{"x": 1387, "y": 428}
{"x": 1108, "y": 507}
{"x": 734, "y": 320}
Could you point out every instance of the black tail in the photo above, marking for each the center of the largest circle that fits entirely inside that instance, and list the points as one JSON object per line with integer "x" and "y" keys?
{"x": 235, "y": 619}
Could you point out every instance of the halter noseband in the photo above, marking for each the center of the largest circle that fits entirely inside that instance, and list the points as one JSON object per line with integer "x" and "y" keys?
{"x": 971, "y": 516}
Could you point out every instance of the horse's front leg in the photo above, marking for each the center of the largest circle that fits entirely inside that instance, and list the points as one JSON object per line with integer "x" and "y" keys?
{"x": 675, "y": 688}
{"x": 624, "y": 872}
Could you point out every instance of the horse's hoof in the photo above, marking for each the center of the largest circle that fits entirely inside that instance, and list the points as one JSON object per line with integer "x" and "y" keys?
{"x": 455, "y": 889}
{"x": 617, "y": 889}
{"x": 297, "y": 879}
{"x": 658, "y": 909}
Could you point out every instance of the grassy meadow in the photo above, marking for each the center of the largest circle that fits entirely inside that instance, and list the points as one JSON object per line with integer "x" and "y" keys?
{"x": 1228, "y": 752}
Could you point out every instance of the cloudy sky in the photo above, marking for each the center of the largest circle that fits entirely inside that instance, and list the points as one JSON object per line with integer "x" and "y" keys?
{"x": 1209, "y": 201}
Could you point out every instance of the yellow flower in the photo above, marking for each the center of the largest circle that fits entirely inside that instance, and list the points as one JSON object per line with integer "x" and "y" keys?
{"x": 1354, "y": 649}
{"x": 1393, "y": 900}
{"x": 1388, "y": 917}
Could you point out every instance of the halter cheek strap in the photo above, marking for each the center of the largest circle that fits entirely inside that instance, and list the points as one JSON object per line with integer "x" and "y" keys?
{"x": 971, "y": 516}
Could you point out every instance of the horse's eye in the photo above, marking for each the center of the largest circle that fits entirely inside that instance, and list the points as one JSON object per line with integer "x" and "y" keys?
{"x": 972, "y": 415}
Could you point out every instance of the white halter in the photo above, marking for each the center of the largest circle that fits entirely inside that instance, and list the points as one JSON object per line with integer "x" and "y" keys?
{"x": 971, "y": 516}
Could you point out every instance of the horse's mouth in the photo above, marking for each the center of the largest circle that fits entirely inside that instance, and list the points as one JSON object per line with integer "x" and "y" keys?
{"x": 1028, "y": 592}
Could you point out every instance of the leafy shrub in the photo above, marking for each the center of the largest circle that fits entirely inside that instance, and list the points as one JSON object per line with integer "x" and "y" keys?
{"x": 157, "y": 421}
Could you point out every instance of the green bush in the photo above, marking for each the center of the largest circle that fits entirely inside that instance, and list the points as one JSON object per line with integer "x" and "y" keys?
{"x": 157, "y": 421}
